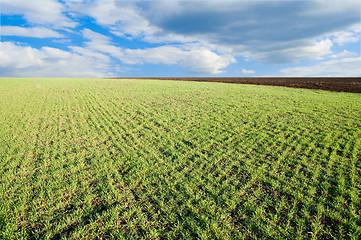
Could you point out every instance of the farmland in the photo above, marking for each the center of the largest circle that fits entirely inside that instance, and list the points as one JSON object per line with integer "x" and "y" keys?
{"x": 113, "y": 159}
{"x": 337, "y": 84}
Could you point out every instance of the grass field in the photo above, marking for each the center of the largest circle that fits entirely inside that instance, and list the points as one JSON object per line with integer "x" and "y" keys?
{"x": 124, "y": 159}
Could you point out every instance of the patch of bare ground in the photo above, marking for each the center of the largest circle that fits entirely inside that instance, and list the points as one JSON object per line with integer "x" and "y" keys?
{"x": 337, "y": 84}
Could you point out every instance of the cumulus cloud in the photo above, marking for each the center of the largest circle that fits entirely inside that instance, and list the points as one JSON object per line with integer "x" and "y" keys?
{"x": 202, "y": 61}
{"x": 122, "y": 17}
{"x": 195, "y": 58}
{"x": 206, "y": 61}
{"x": 204, "y": 37}
{"x": 25, "y": 61}
{"x": 37, "y": 32}
{"x": 273, "y": 32}
{"x": 127, "y": 19}
{"x": 94, "y": 58}
{"x": 333, "y": 68}
{"x": 42, "y": 12}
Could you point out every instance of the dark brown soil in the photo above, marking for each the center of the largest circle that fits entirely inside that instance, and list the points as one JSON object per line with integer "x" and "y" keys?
{"x": 324, "y": 83}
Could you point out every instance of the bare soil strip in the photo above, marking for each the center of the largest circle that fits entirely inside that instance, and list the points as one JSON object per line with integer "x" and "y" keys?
{"x": 324, "y": 83}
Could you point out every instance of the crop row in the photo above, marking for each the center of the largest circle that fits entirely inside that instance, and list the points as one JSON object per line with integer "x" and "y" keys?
{"x": 93, "y": 158}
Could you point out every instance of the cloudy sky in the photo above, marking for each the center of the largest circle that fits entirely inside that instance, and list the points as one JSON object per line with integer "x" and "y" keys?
{"x": 108, "y": 38}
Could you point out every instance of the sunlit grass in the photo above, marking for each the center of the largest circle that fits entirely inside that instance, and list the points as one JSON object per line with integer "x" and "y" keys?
{"x": 97, "y": 158}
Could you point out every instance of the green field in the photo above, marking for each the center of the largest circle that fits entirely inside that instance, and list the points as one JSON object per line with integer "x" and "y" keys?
{"x": 124, "y": 159}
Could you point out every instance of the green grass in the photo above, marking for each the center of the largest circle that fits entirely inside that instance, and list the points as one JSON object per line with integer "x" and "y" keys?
{"x": 124, "y": 159}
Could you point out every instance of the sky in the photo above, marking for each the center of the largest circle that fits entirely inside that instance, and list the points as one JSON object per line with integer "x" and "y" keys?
{"x": 180, "y": 38}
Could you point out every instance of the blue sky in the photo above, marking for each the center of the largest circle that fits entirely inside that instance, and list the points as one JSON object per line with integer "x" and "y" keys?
{"x": 110, "y": 38}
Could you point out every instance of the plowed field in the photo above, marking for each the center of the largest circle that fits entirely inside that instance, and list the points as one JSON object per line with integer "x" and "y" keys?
{"x": 325, "y": 83}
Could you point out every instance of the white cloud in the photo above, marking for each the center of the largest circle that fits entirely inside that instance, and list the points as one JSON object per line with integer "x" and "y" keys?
{"x": 201, "y": 61}
{"x": 344, "y": 54}
{"x": 95, "y": 37}
{"x": 202, "y": 36}
{"x": 122, "y": 17}
{"x": 25, "y": 61}
{"x": 100, "y": 43}
{"x": 91, "y": 54}
{"x": 206, "y": 61}
{"x": 273, "y": 32}
{"x": 338, "y": 67}
{"x": 37, "y": 32}
{"x": 311, "y": 50}
{"x": 237, "y": 27}
{"x": 169, "y": 55}
{"x": 125, "y": 19}
{"x": 196, "y": 58}
{"x": 42, "y": 12}
{"x": 350, "y": 35}
{"x": 346, "y": 37}
{"x": 247, "y": 72}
